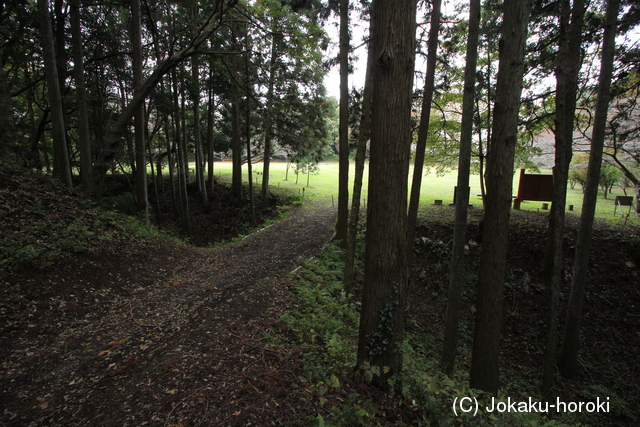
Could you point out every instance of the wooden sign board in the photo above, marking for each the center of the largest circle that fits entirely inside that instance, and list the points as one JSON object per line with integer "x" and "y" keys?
{"x": 623, "y": 201}
{"x": 534, "y": 187}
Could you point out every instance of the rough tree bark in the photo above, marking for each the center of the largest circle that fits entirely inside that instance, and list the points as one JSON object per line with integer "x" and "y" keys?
{"x": 61, "y": 167}
{"x": 568, "y": 62}
{"x": 236, "y": 149}
{"x": 142, "y": 197}
{"x": 195, "y": 96}
{"x": 247, "y": 124}
{"x": 343, "y": 129}
{"x": 568, "y": 362}
{"x": 361, "y": 151}
{"x": 7, "y": 125}
{"x": 486, "y": 339}
{"x": 84, "y": 139}
{"x": 268, "y": 122}
{"x": 210, "y": 138}
{"x": 423, "y": 129}
{"x": 381, "y": 328}
{"x": 450, "y": 338}
{"x": 183, "y": 198}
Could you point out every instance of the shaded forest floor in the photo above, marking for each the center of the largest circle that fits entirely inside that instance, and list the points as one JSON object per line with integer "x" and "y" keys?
{"x": 610, "y": 339}
{"x": 106, "y": 323}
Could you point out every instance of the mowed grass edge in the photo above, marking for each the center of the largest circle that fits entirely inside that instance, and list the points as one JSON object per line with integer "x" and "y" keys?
{"x": 323, "y": 186}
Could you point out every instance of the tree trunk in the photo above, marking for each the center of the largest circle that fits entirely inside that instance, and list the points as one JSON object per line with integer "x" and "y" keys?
{"x": 343, "y": 129}
{"x": 195, "y": 95}
{"x": 130, "y": 151}
{"x": 210, "y": 139}
{"x": 59, "y": 40}
{"x": 568, "y": 363}
{"x": 483, "y": 155}
{"x": 183, "y": 197}
{"x": 450, "y": 339}
{"x": 159, "y": 176}
{"x": 486, "y": 339}
{"x": 236, "y": 149}
{"x": 182, "y": 184}
{"x": 381, "y": 328}
{"x": 7, "y": 125}
{"x": 171, "y": 162}
{"x": 183, "y": 119}
{"x": 154, "y": 178}
{"x": 480, "y": 154}
{"x": 423, "y": 129}
{"x": 363, "y": 138}
{"x": 84, "y": 138}
{"x": 252, "y": 206}
{"x": 61, "y": 168}
{"x": 268, "y": 123}
{"x": 568, "y": 64}
{"x": 142, "y": 198}
{"x": 37, "y": 138}
{"x": 249, "y": 88}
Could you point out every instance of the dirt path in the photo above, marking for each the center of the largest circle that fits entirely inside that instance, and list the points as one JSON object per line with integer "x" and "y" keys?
{"x": 161, "y": 335}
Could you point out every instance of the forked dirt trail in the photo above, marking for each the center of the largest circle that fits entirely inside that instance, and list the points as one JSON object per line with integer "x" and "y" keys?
{"x": 159, "y": 334}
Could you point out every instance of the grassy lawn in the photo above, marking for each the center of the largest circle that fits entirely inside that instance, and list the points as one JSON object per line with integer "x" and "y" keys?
{"x": 323, "y": 185}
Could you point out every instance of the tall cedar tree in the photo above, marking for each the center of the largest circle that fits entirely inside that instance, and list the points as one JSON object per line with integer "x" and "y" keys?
{"x": 364, "y": 132}
{"x": 84, "y": 139}
{"x": 423, "y": 129}
{"x": 236, "y": 148}
{"x": 138, "y": 117}
{"x": 499, "y": 176}
{"x": 268, "y": 119}
{"x": 568, "y": 62}
{"x": 568, "y": 362}
{"x": 211, "y": 108}
{"x": 7, "y": 126}
{"x": 450, "y": 338}
{"x": 343, "y": 130}
{"x": 182, "y": 174}
{"x": 393, "y": 26}
{"x": 247, "y": 124}
{"x": 61, "y": 167}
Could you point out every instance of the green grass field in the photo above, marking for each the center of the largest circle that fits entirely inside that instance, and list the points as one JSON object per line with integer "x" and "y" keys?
{"x": 323, "y": 185}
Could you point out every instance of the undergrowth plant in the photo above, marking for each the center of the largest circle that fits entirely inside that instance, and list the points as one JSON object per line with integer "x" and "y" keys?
{"x": 34, "y": 236}
{"x": 324, "y": 325}
{"x": 324, "y": 321}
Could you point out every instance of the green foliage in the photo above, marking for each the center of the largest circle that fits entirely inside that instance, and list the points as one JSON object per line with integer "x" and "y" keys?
{"x": 422, "y": 385}
{"x": 42, "y": 224}
{"x": 323, "y": 319}
{"x": 124, "y": 203}
{"x": 293, "y": 199}
{"x": 609, "y": 176}
{"x": 137, "y": 229}
{"x": 352, "y": 412}
{"x": 577, "y": 176}
{"x": 443, "y": 142}
{"x": 378, "y": 341}
{"x": 43, "y": 242}
{"x": 325, "y": 326}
